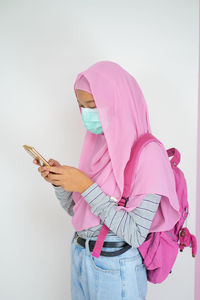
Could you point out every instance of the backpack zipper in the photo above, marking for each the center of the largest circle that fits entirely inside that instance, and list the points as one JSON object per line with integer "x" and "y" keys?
{"x": 171, "y": 235}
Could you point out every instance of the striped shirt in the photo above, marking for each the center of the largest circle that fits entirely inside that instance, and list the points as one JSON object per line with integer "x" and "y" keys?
{"x": 132, "y": 227}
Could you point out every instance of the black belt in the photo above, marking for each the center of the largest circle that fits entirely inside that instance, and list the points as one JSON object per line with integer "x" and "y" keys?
{"x": 125, "y": 246}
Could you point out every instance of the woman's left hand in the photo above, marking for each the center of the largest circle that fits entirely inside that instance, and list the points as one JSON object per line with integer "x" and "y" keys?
{"x": 69, "y": 178}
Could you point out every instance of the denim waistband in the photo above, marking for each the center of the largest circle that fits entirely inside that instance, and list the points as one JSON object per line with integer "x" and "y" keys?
{"x": 116, "y": 238}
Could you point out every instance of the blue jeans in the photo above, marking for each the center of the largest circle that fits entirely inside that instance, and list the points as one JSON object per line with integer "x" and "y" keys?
{"x": 106, "y": 278}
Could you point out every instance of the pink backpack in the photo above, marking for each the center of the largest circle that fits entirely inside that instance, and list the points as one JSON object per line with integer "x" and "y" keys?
{"x": 160, "y": 249}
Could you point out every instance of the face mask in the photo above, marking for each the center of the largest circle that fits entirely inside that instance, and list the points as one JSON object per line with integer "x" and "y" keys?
{"x": 90, "y": 117}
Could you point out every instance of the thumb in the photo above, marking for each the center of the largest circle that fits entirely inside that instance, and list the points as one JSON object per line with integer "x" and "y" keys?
{"x": 54, "y": 163}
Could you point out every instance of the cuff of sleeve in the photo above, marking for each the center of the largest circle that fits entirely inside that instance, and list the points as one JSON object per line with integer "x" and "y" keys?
{"x": 92, "y": 192}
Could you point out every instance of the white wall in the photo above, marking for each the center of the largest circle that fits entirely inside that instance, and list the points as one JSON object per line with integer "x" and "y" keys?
{"x": 44, "y": 45}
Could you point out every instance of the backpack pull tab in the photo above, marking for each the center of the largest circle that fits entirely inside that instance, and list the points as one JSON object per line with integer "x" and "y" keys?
{"x": 176, "y": 156}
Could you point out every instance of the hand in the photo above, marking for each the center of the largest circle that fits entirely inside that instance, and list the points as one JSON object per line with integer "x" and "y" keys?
{"x": 44, "y": 173}
{"x": 69, "y": 178}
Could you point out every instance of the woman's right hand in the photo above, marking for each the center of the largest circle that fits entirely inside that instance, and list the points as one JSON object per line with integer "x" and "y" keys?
{"x": 44, "y": 174}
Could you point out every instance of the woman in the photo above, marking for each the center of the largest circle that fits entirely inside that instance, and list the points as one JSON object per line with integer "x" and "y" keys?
{"x": 114, "y": 112}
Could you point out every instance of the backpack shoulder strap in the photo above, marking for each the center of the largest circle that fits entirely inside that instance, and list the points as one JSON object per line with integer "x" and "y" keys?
{"x": 131, "y": 166}
{"x": 128, "y": 175}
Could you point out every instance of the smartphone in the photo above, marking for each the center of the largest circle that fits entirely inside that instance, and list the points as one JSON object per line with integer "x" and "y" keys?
{"x": 35, "y": 154}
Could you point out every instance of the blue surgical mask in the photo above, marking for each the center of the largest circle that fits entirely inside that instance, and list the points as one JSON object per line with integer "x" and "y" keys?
{"x": 90, "y": 117}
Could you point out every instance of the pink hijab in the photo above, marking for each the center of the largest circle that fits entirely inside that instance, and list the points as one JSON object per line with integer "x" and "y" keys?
{"x": 124, "y": 118}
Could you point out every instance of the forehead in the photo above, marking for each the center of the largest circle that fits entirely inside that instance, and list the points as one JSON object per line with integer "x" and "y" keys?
{"x": 83, "y": 93}
{"x": 84, "y": 96}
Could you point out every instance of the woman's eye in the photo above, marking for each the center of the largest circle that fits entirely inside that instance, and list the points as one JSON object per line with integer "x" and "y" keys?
{"x": 88, "y": 107}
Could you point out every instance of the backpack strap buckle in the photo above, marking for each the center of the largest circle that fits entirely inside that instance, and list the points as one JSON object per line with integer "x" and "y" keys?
{"x": 123, "y": 201}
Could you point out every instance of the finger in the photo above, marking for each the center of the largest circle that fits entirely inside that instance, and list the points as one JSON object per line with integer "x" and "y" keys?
{"x": 55, "y": 164}
{"x": 51, "y": 162}
{"x": 57, "y": 170}
{"x": 42, "y": 169}
{"x": 45, "y": 174}
{"x": 35, "y": 161}
{"x": 54, "y": 176}
{"x": 47, "y": 179}
{"x": 56, "y": 182}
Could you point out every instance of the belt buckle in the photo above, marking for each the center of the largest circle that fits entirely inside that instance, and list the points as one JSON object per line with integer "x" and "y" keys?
{"x": 76, "y": 238}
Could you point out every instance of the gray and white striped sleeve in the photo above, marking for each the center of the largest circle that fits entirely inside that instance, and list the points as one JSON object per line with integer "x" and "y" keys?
{"x": 65, "y": 199}
{"x": 132, "y": 226}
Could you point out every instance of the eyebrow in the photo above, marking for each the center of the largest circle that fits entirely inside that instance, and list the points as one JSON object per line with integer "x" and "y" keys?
{"x": 87, "y": 101}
